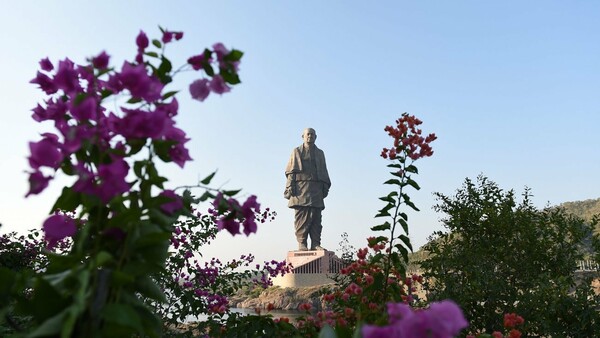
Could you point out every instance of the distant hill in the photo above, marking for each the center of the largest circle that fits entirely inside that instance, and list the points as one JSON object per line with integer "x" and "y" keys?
{"x": 584, "y": 209}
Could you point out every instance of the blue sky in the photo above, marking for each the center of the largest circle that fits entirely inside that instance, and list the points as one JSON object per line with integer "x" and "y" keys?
{"x": 510, "y": 88}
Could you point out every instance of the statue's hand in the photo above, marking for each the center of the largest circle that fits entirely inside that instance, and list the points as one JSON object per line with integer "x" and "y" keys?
{"x": 287, "y": 194}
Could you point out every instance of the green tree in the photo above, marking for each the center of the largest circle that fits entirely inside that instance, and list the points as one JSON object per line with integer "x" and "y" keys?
{"x": 500, "y": 255}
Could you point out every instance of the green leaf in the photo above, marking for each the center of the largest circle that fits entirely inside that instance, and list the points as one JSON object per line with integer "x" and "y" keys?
{"x": 234, "y": 55}
{"x": 412, "y": 169}
{"x": 412, "y": 205}
{"x": 229, "y": 76}
{"x": 404, "y": 224}
{"x": 147, "y": 287}
{"x": 134, "y": 100}
{"x": 413, "y": 184}
{"x": 208, "y": 178}
{"x": 406, "y": 241}
{"x": 169, "y": 94}
{"x": 68, "y": 200}
{"x": 395, "y": 165}
{"x": 102, "y": 258}
{"x": 156, "y": 43}
{"x": 382, "y": 227}
{"x": 123, "y": 315}
{"x": 231, "y": 192}
{"x": 208, "y": 69}
{"x": 137, "y": 168}
{"x": 51, "y": 326}
{"x": 165, "y": 66}
{"x": 151, "y": 54}
{"x": 392, "y": 181}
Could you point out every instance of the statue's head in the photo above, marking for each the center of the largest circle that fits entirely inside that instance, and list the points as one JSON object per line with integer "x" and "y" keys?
{"x": 309, "y": 136}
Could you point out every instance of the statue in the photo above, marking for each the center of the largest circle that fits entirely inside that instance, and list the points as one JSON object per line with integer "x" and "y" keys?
{"x": 307, "y": 185}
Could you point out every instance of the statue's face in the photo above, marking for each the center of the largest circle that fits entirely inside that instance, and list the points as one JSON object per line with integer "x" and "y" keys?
{"x": 309, "y": 136}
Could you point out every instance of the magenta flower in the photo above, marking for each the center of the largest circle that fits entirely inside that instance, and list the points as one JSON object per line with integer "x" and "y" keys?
{"x": 171, "y": 108}
{"x": 176, "y": 203}
{"x": 112, "y": 179}
{"x": 198, "y": 61}
{"x": 101, "y": 61}
{"x": 218, "y": 85}
{"x": 46, "y": 84}
{"x": 178, "y": 35}
{"x": 139, "y": 83}
{"x": 46, "y": 65}
{"x": 142, "y": 41}
{"x": 45, "y": 152}
{"x": 57, "y": 228}
{"x": 199, "y": 89}
{"x": 55, "y": 110}
{"x": 84, "y": 110}
{"x": 37, "y": 183}
{"x": 440, "y": 320}
{"x": 179, "y": 154}
{"x": 230, "y": 224}
{"x": 220, "y": 50}
{"x": 167, "y": 36}
{"x": 67, "y": 78}
{"x": 139, "y": 124}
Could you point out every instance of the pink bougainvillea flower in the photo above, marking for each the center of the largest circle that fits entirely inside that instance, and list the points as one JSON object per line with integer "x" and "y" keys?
{"x": 139, "y": 124}
{"x": 230, "y": 224}
{"x": 199, "y": 89}
{"x": 46, "y": 65}
{"x": 67, "y": 78}
{"x": 46, "y": 84}
{"x": 101, "y": 60}
{"x": 178, "y": 35}
{"x": 112, "y": 179}
{"x": 445, "y": 319}
{"x": 218, "y": 85}
{"x": 167, "y": 36}
{"x": 440, "y": 320}
{"x": 142, "y": 41}
{"x": 171, "y": 108}
{"x": 179, "y": 154}
{"x": 84, "y": 110}
{"x": 176, "y": 203}
{"x": 37, "y": 183}
{"x": 198, "y": 61}
{"x": 220, "y": 50}
{"x": 139, "y": 83}
{"x": 45, "y": 152}
{"x": 57, "y": 228}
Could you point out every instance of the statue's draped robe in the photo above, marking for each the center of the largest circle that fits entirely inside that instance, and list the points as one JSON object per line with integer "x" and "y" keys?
{"x": 308, "y": 181}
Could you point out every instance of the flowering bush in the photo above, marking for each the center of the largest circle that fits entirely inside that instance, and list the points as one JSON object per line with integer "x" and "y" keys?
{"x": 122, "y": 215}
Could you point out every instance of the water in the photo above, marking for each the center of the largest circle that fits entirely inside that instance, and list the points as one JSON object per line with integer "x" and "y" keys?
{"x": 291, "y": 314}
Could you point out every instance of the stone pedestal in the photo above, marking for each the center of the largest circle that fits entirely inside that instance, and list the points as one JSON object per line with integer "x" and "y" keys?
{"x": 310, "y": 268}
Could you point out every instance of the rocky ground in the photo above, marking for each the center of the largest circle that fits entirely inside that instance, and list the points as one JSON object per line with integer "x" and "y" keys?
{"x": 280, "y": 298}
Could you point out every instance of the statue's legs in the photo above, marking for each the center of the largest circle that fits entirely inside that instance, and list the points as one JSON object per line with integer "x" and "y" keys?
{"x": 308, "y": 223}
{"x": 302, "y": 225}
{"x": 315, "y": 229}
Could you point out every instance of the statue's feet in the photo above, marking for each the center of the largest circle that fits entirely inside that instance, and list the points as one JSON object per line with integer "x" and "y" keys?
{"x": 302, "y": 247}
{"x": 318, "y": 247}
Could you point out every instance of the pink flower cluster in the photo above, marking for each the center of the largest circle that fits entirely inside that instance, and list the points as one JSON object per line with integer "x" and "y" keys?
{"x": 93, "y": 143}
{"x": 200, "y": 89}
{"x": 271, "y": 269}
{"x": 236, "y": 215}
{"x": 407, "y": 139}
{"x": 441, "y": 320}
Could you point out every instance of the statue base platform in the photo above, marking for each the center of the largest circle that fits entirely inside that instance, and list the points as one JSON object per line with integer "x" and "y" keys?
{"x": 310, "y": 268}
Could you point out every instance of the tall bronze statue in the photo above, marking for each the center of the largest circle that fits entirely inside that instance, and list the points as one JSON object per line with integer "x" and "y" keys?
{"x": 307, "y": 185}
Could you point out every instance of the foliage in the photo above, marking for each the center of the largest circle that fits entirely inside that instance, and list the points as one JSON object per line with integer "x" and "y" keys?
{"x": 119, "y": 214}
{"x": 503, "y": 256}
